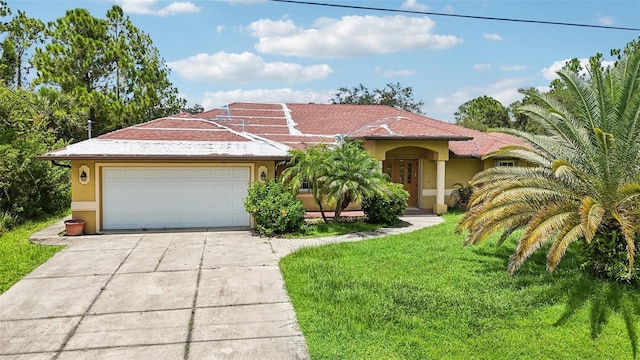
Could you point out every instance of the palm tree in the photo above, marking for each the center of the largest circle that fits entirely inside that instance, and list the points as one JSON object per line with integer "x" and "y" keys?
{"x": 584, "y": 182}
{"x": 355, "y": 175}
{"x": 312, "y": 165}
{"x": 60, "y": 113}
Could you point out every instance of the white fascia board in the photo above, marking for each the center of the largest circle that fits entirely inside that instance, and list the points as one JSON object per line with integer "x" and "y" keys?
{"x": 112, "y": 147}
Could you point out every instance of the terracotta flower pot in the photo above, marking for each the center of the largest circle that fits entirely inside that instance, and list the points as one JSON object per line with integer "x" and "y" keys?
{"x": 74, "y": 227}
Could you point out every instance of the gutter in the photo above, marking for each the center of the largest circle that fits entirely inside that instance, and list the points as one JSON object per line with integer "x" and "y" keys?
{"x": 55, "y": 163}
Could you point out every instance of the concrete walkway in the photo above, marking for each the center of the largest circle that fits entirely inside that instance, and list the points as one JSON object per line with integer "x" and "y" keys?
{"x": 189, "y": 295}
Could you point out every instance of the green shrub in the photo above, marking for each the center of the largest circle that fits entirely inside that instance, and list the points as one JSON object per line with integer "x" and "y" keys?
{"x": 606, "y": 258}
{"x": 274, "y": 210}
{"x": 386, "y": 207}
{"x": 31, "y": 188}
{"x": 7, "y": 222}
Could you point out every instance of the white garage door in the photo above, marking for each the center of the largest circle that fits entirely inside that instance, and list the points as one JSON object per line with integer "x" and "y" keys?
{"x": 174, "y": 197}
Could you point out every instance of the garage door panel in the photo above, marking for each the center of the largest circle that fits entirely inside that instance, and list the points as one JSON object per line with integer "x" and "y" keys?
{"x": 174, "y": 197}
{"x": 239, "y": 189}
{"x": 238, "y": 174}
{"x": 223, "y": 190}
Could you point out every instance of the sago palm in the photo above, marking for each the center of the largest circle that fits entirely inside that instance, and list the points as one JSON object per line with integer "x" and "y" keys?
{"x": 583, "y": 182}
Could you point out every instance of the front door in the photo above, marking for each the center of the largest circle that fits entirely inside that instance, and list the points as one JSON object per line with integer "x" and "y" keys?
{"x": 405, "y": 172}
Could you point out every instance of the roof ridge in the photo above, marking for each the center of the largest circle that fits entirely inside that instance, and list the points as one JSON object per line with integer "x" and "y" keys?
{"x": 253, "y": 137}
{"x": 174, "y": 129}
{"x": 290, "y": 121}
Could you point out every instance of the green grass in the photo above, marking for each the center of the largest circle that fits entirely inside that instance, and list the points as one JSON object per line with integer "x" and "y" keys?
{"x": 423, "y": 296}
{"x": 320, "y": 229}
{"x": 18, "y": 256}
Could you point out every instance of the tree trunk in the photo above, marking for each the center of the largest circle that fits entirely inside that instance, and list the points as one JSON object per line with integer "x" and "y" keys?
{"x": 324, "y": 217}
{"x": 336, "y": 215}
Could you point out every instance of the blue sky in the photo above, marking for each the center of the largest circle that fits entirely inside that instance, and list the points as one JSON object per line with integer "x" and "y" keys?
{"x": 259, "y": 51}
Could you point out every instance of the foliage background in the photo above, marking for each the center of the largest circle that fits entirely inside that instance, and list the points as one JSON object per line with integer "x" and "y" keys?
{"x": 56, "y": 77}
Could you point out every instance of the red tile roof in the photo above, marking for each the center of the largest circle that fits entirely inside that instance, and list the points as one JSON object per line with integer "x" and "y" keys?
{"x": 484, "y": 143}
{"x": 276, "y": 121}
{"x": 300, "y": 125}
{"x": 175, "y": 129}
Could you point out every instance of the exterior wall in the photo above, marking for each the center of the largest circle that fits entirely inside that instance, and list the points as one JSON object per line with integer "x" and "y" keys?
{"x": 458, "y": 170}
{"x": 428, "y": 190}
{"x": 492, "y": 162}
{"x": 86, "y": 198}
{"x": 310, "y": 205}
{"x": 268, "y": 166}
{"x": 84, "y": 204}
{"x": 437, "y": 150}
{"x": 461, "y": 170}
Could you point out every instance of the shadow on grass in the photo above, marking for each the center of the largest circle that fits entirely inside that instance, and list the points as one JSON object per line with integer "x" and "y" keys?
{"x": 399, "y": 224}
{"x": 570, "y": 287}
{"x": 604, "y": 299}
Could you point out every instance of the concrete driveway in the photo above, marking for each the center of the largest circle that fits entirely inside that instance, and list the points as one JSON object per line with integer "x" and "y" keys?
{"x": 190, "y": 295}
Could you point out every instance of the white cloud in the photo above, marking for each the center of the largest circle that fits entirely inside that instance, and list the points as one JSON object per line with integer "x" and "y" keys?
{"x": 549, "y": 73}
{"x": 449, "y": 9}
{"x": 269, "y": 28}
{"x": 219, "y": 29}
{"x": 349, "y": 36}
{"x": 414, "y": 5}
{"x": 177, "y": 8}
{"x": 504, "y": 90}
{"x": 481, "y": 67}
{"x": 390, "y": 73}
{"x": 544, "y": 88}
{"x": 245, "y": 68}
{"x": 449, "y": 104}
{"x": 492, "y": 37}
{"x": 606, "y": 20}
{"x": 216, "y": 99}
{"x": 149, "y": 7}
{"x": 513, "y": 67}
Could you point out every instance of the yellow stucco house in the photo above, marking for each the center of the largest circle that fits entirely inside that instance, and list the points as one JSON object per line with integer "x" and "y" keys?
{"x": 194, "y": 170}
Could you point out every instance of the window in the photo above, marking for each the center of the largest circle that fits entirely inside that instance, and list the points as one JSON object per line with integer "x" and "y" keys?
{"x": 505, "y": 163}
{"x": 305, "y": 187}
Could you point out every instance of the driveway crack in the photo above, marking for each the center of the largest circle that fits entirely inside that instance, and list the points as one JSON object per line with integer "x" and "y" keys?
{"x": 86, "y": 312}
{"x": 187, "y": 346}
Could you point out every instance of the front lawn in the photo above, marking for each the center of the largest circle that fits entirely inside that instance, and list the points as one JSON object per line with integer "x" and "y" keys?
{"x": 18, "y": 256}
{"x": 423, "y": 296}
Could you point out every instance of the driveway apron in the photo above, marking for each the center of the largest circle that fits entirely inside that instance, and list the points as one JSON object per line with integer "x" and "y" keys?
{"x": 213, "y": 295}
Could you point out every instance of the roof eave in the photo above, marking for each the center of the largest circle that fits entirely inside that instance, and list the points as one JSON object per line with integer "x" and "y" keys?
{"x": 428, "y": 138}
{"x": 463, "y": 156}
{"x": 164, "y": 157}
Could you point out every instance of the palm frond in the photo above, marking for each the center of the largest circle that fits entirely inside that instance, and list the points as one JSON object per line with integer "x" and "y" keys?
{"x": 591, "y": 215}
{"x": 568, "y": 235}
{"x": 629, "y": 229}
{"x": 543, "y": 228}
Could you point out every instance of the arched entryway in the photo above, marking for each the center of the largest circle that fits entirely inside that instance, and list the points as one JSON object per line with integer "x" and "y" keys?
{"x": 405, "y": 172}
{"x": 419, "y": 167}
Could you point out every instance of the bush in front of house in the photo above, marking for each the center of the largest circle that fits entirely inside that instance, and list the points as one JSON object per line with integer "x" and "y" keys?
{"x": 386, "y": 207}
{"x": 274, "y": 210}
